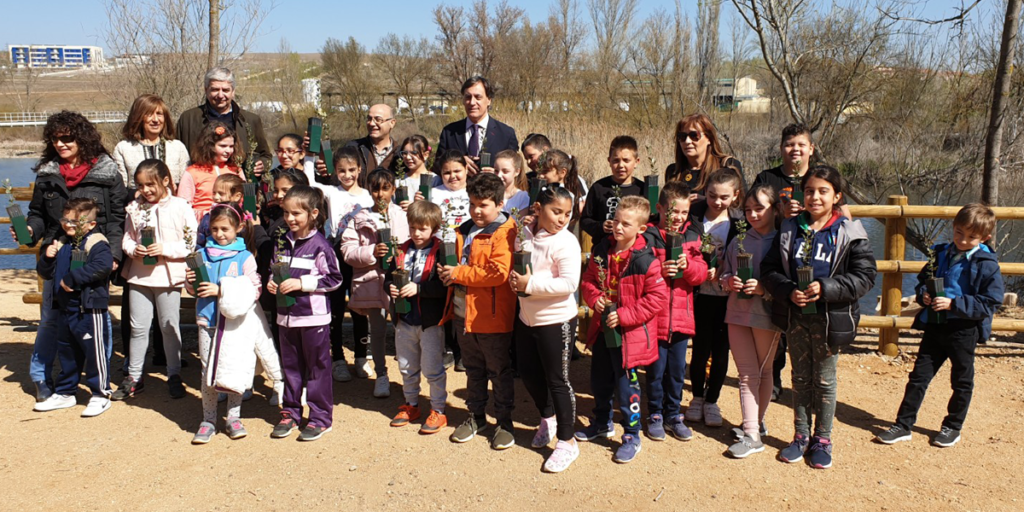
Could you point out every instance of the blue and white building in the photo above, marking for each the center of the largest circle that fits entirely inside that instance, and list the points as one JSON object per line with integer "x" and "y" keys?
{"x": 55, "y": 56}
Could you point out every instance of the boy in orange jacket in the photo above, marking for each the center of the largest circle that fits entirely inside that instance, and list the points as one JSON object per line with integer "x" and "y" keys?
{"x": 483, "y": 308}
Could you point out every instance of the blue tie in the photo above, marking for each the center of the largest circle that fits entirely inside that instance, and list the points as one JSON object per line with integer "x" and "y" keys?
{"x": 474, "y": 140}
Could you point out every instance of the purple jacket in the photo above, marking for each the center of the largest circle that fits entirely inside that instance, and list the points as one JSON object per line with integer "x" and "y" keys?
{"x": 313, "y": 262}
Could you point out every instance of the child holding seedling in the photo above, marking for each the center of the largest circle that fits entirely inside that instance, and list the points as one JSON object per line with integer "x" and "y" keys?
{"x": 216, "y": 152}
{"x": 819, "y": 266}
{"x": 367, "y": 245}
{"x": 753, "y": 338}
{"x": 598, "y": 215}
{"x": 960, "y": 289}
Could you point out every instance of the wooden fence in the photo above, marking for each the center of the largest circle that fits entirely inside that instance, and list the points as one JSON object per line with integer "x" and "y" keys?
{"x": 889, "y": 323}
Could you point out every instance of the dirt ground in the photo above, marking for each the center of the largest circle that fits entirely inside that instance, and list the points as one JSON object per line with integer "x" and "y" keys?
{"x": 137, "y": 455}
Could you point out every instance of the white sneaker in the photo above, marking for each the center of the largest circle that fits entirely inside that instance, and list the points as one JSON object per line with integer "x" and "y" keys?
{"x": 363, "y": 369}
{"x": 275, "y": 397}
{"x": 712, "y": 415}
{"x": 339, "y": 371}
{"x": 382, "y": 387}
{"x": 55, "y": 402}
{"x": 565, "y": 453}
{"x": 545, "y": 432}
{"x": 97, "y": 405}
{"x": 695, "y": 412}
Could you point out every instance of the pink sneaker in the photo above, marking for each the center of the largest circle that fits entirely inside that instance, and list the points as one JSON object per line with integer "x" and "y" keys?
{"x": 564, "y": 455}
{"x": 544, "y": 434}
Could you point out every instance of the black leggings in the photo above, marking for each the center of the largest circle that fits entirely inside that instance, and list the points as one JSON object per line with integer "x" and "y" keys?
{"x": 710, "y": 342}
{"x": 360, "y": 325}
{"x": 544, "y": 353}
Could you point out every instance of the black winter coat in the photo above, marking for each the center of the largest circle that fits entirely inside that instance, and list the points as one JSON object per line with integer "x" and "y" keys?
{"x": 852, "y": 276}
{"x": 103, "y": 184}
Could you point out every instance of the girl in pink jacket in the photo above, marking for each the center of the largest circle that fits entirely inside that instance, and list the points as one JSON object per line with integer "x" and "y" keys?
{"x": 155, "y": 270}
{"x": 363, "y": 248}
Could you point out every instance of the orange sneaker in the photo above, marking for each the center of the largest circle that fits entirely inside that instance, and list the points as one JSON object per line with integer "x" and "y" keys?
{"x": 406, "y": 413}
{"x": 435, "y": 422}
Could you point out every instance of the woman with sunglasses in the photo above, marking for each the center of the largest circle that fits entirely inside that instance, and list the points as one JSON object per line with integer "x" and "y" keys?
{"x": 698, "y": 154}
{"x": 74, "y": 164}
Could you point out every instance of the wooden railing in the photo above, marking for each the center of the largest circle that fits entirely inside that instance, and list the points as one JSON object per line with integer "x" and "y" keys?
{"x": 892, "y": 268}
{"x": 894, "y": 265}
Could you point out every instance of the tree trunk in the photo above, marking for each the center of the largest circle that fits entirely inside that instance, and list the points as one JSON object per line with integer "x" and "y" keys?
{"x": 1000, "y": 90}
{"x": 214, "y": 56}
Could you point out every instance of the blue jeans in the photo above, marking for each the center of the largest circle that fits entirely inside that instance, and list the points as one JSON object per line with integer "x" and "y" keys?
{"x": 44, "y": 351}
{"x": 607, "y": 379}
{"x": 665, "y": 377}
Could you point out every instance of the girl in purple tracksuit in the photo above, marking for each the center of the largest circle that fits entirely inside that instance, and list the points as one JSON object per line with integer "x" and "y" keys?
{"x": 305, "y": 326}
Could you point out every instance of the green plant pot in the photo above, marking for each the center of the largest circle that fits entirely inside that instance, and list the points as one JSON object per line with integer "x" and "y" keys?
{"x": 450, "y": 254}
{"x": 249, "y": 198}
{"x": 521, "y": 261}
{"x": 78, "y": 258}
{"x": 805, "y": 276}
{"x": 653, "y": 191}
{"x": 20, "y": 224}
{"x": 675, "y": 250}
{"x": 426, "y": 180}
{"x": 400, "y": 279}
{"x": 148, "y": 239}
{"x": 282, "y": 272}
{"x": 316, "y": 132}
{"x": 744, "y": 271}
{"x": 328, "y": 156}
{"x": 196, "y": 264}
{"x": 612, "y": 337}
{"x": 936, "y": 288}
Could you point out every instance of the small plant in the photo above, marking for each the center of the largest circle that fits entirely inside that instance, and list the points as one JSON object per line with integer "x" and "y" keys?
{"x": 617, "y": 193}
{"x": 805, "y": 273}
{"x": 936, "y": 286}
{"x": 708, "y": 250}
{"x": 485, "y": 157}
{"x": 612, "y": 336}
{"x": 449, "y": 251}
{"x": 602, "y": 278}
{"x": 522, "y": 260}
{"x": 194, "y": 260}
{"x": 281, "y": 269}
{"x": 9, "y": 190}
{"x": 741, "y": 234}
{"x": 808, "y": 246}
{"x": 78, "y": 253}
{"x": 80, "y": 232}
{"x": 190, "y": 240}
{"x": 932, "y": 265}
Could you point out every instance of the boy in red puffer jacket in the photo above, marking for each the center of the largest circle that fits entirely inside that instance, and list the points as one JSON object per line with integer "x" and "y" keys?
{"x": 675, "y": 323}
{"x": 624, "y": 277}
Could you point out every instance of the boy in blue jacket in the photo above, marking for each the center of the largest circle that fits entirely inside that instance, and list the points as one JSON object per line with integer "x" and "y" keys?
{"x": 973, "y": 290}
{"x": 81, "y": 296}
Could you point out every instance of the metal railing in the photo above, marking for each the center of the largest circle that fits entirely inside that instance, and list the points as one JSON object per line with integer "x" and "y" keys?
{"x": 10, "y": 119}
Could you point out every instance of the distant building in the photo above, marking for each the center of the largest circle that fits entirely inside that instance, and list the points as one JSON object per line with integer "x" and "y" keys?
{"x": 55, "y": 56}
{"x": 740, "y": 95}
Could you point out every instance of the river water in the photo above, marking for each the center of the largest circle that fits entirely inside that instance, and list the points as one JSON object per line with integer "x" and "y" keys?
{"x": 19, "y": 170}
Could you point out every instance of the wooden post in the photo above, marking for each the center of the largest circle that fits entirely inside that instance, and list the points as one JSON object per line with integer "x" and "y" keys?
{"x": 892, "y": 284}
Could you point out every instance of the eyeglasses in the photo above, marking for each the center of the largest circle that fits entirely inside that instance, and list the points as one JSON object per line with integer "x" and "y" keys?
{"x": 68, "y": 222}
{"x": 694, "y": 136}
{"x": 377, "y": 119}
{"x": 289, "y": 151}
{"x": 63, "y": 139}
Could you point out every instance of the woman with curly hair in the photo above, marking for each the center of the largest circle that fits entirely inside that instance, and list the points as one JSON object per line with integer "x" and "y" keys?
{"x": 74, "y": 164}
{"x": 149, "y": 133}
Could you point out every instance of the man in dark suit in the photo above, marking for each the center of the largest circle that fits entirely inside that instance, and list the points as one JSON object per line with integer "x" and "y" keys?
{"x": 479, "y": 132}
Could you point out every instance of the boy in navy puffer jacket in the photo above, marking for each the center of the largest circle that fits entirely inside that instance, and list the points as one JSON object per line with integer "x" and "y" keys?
{"x": 973, "y": 289}
{"x": 81, "y": 296}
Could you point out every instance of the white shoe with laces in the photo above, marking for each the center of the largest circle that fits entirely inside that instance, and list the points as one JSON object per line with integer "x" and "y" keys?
{"x": 55, "y": 402}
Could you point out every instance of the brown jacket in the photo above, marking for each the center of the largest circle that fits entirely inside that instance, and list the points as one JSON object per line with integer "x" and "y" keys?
{"x": 193, "y": 120}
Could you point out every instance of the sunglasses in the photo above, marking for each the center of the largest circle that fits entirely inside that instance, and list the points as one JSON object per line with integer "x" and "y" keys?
{"x": 694, "y": 136}
{"x": 63, "y": 139}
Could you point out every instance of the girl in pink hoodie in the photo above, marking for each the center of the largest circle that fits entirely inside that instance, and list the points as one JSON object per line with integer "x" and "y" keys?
{"x": 546, "y": 327}
{"x": 368, "y": 255}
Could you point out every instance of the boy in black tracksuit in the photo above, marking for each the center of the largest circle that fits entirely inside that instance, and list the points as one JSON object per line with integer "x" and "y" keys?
{"x": 82, "y": 297}
{"x": 605, "y": 193}
{"x": 973, "y": 289}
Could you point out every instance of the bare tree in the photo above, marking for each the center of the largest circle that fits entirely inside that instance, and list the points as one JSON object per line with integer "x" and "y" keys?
{"x": 529, "y": 66}
{"x": 287, "y": 74}
{"x": 406, "y": 61}
{"x": 652, "y": 55}
{"x": 682, "y": 64}
{"x": 568, "y": 31}
{"x": 612, "y": 20}
{"x": 455, "y": 46}
{"x": 214, "y": 55}
{"x": 347, "y": 76}
{"x": 708, "y": 52}
{"x": 161, "y": 45}
{"x": 1000, "y": 92}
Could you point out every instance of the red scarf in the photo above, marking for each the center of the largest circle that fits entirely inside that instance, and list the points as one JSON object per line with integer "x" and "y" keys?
{"x": 74, "y": 175}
